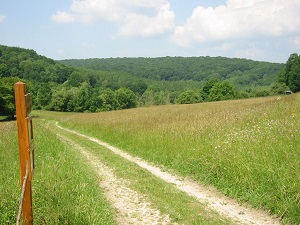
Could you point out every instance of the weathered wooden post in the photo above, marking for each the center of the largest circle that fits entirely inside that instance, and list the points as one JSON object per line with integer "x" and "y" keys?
{"x": 26, "y": 152}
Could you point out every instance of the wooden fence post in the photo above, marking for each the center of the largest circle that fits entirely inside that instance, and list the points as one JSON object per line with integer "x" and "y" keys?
{"x": 25, "y": 137}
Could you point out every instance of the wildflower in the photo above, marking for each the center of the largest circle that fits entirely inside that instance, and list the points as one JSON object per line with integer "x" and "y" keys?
{"x": 294, "y": 115}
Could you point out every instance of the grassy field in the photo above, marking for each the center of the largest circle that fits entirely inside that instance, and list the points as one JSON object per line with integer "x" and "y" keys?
{"x": 248, "y": 149}
{"x": 181, "y": 208}
{"x": 10, "y": 175}
{"x": 65, "y": 191}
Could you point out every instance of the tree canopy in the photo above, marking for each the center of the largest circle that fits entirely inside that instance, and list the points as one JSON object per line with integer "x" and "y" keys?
{"x": 94, "y": 85}
{"x": 240, "y": 72}
{"x": 290, "y": 74}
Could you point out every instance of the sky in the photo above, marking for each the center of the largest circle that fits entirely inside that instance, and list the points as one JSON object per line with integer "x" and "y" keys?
{"x": 262, "y": 30}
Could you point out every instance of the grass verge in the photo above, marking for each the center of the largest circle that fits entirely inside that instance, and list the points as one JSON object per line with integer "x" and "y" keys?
{"x": 248, "y": 149}
{"x": 10, "y": 173}
{"x": 167, "y": 198}
{"x": 65, "y": 191}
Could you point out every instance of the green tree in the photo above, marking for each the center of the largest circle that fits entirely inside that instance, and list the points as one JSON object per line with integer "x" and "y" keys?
{"x": 139, "y": 86}
{"x": 3, "y": 70}
{"x": 44, "y": 96}
{"x": 154, "y": 97}
{"x": 147, "y": 97}
{"x": 126, "y": 98}
{"x": 207, "y": 87}
{"x": 7, "y": 95}
{"x": 73, "y": 103}
{"x": 60, "y": 99}
{"x": 76, "y": 78}
{"x": 161, "y": 98}
{"x": 290, "y": 75}
{"x": 189, "y": 97}
{"x": 108, "y": 100}
{"x": 7, "y": 102}
{"x": 83, "y": 97}
{"x": 222, "y": 91}
{"x": 279, "y": 88}
{"x": 262, "y": 93}
{"x": 293, "y": 72}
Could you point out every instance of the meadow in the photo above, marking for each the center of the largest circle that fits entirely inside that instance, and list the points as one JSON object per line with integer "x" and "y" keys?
{"x": 248, "y": 149}
{"x": 63, "y": 186}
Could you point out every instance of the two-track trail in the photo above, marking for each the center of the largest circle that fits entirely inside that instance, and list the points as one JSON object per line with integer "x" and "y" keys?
{"x": 133, "y": 208}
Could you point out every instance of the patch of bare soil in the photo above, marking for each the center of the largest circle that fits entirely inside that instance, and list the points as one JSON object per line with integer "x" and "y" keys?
{"x": 131, "y": 207}
{"x": 214, "y": 200}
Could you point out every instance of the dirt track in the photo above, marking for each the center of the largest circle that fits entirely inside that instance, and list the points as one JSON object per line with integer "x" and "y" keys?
{"x": 132, "y": 208}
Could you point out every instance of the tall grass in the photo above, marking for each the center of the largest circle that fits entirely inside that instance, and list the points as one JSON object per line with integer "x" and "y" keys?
{"x": 248, "y": 149}
{"x": 9, "y": 174}
{"x": 181, "y": 208}
{"x": 65, "y": 190}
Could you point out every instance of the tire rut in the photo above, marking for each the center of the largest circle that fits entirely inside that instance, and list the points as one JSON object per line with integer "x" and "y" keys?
{"x": 131, "y": 207}
{"x": 226, "y": 207}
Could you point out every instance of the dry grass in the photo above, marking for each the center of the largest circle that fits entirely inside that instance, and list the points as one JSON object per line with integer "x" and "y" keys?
{"x": 249, "y": 149}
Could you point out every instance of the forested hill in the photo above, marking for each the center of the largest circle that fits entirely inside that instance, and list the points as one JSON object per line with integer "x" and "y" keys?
{"x": 27, "y": 64}
{"x": 95, "y": 85}
{"x": 240, "y": 72}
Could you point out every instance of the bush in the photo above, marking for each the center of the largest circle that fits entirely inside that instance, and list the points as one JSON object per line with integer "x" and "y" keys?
{"x": 189, "y": 97}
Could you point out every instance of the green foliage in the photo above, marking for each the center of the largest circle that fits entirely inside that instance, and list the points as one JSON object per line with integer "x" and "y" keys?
{"x": 7, "y": 95}
{"x": 126, "y": 98}
{"x": 189, "y": 97}
{"x": 138, "y": 86}
{"x": 158, "y": 97}
{"x": 262, "y": 93}
{"x": 108, "y": 100}
{"x": 60, "y": 100}
{"x": 222, "y": 91}
{"x": 82, "y": 97}
{"x": 3, "y": 70}
{"x": 290, "y": 75}
{"x": 7, "y": 107}
{"x": 148, "y": 81}
{"x": 207, "y": 87}
{"x": 27, "y": 64}
{"x": 240, "y": 71}
{"x": 279, "y": 88}
{"x": 44, "y": 96}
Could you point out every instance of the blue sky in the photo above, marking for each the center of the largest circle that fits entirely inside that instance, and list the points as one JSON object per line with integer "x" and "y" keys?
{"x": 264, "y": 30}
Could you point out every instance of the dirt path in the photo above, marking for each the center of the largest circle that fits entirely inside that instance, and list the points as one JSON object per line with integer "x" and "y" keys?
{"x": 131, "y": 207}
{"x": 212, "y": 198}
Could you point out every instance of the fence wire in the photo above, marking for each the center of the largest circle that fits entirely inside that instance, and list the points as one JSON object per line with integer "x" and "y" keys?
{"x": 22, "y": 195}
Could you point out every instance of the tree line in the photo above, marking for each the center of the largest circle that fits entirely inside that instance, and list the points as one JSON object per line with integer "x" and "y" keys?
{"x": 59, "y": 86}
{"x": 240, "y": 72}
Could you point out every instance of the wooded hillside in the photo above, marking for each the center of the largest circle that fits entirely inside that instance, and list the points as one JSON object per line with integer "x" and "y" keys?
{"x": 240, "y": 72}
{"x": 94, "y": 85}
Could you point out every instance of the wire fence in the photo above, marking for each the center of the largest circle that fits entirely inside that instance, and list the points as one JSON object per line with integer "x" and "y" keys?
{"x": 22, "y": 195}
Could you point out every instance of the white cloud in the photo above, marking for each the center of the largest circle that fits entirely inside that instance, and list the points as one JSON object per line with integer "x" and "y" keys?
{"x": 62, "y": 17}
{"x": 240, "y": 19}
{"x": 249, "y": 51}
{"x": 93, "y": 10}
{"x": 2, "y": 18}
{"x": 135, "y": 17}
{"x": 143, "y": 25}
